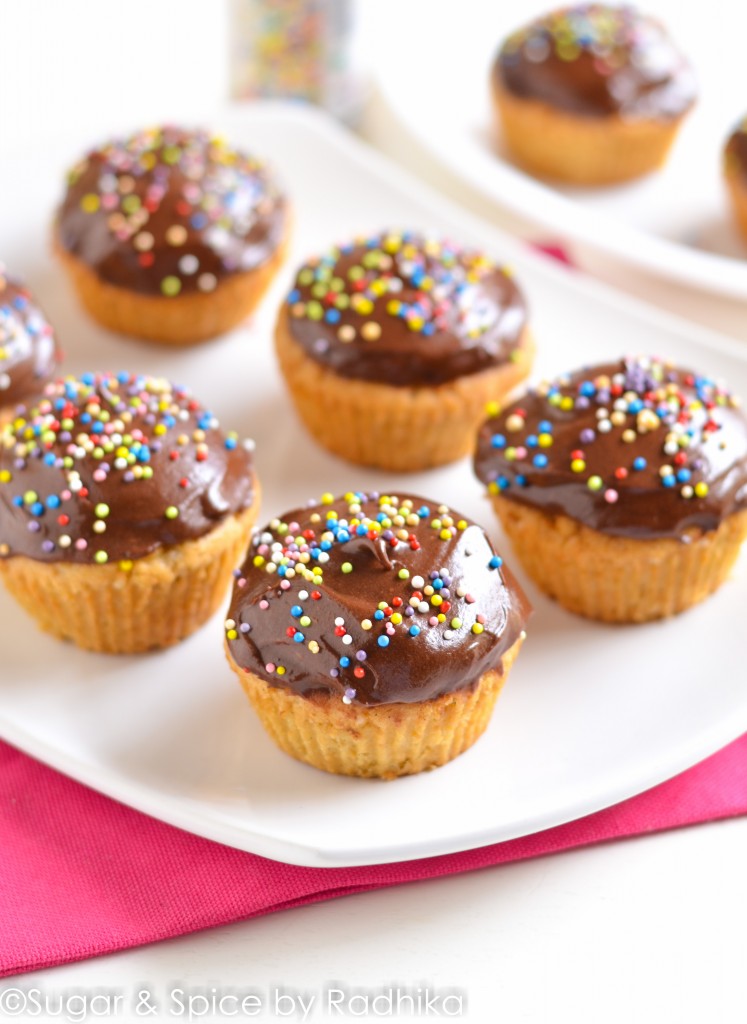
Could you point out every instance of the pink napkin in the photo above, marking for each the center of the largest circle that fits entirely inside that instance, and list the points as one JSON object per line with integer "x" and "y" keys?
{"x": 82, "y": 875}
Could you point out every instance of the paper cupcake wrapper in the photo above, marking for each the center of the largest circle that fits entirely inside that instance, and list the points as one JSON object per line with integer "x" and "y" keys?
{"x": 181, "y": 320}
{"x": 163, "y": 598}
{"x": 737, "y": 189}
{"x": 619, "y": 579}
{"x": 593, "y": 151}
{"x": 394, "y": 428}
{"x": 384, "y": 741}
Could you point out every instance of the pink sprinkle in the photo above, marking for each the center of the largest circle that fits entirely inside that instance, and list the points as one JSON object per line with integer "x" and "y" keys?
{"x": 99, "y": 475}
{"x": 521, "y": 452}
{"x": 81, "y": 544}
{"x": 433, "y": 621}
{"x": 270, "y": 666}
{"x": 480, "y": 619}
{"x": 264, "y": 605}
{"x": 611, "y": 496}
{"x": 241, "y": 582}
{"x": 65, "y": 495}
{"x": 469, "y": 599}
{"x": 285, "y": 585}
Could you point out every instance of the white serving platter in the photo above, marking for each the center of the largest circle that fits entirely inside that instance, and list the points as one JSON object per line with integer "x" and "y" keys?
{"x": 591, "y": 714}
{"x": 433, "y": 73}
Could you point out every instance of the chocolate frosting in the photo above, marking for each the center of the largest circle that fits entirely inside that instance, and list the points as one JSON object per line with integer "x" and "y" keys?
{"x": 636, "y": 448}
{"x": 375, "y": 600}
{"x": 406, "y": 310}
{"x": 735, "y": 151}
{"x": 28, "y": 348}
{"x": 169, "y": 212}
{"x": 594, "y": 60}
{"x": 110, "y": 467}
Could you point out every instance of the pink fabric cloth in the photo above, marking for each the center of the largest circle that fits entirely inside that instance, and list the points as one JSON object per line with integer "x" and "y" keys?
{"x": 82, "y": 875}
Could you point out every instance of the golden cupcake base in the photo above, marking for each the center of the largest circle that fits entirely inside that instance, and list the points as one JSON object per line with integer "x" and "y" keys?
{"x": 737, "y": 189}
{"x": 550, "y": 143}
{"x": 619, "y": 579}
{"x": 384, "y": 741}
{"x": 156, "y": 602}
{"x": 402, "y": 429}
{"x": 181, "y": 320}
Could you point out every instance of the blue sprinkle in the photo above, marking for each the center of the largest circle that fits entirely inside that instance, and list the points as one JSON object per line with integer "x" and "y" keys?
{"x": 683, "y": 475}
{"x": 378, "y": 614}
{"x": 498, "y": 441}
{"x": 540, "y": 460}
{"x": 383, "y": 641}
{"x": 414, "y": 630}
{"x": 332, "y": 316}
{"x": 37, "y": 509}
{"x": 294, "y": 295}
{"x": 296, "y": 611}
{"x": 587, "y": 389}
{"x": 544, "y": 427}
{"x": 495, "y": 562}
{"x": 668, "y": 481}
{"x": 639, "y": 463}
{"x": 298, "y": 638}
{"x": 344, "y": 661}
{"x": 53, "y": 501}
{"x": 503, "y": 482}
{"x": 230, "y": 443}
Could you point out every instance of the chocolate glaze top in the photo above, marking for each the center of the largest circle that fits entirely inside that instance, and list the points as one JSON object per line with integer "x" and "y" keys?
{"x": 637, "y": 448}
{"x": 595, "y": 60}
{"x": 110, "y": 467}
{"x": 405, "y": 309}
{"x": 735, "y": 151}
{"x": 28, "y": 349}
{"x": 375, "y": 600}
{"x": 169, "y": 212}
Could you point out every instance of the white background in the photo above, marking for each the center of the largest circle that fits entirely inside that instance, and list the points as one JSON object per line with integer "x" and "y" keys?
{"x": 646, "y": 930}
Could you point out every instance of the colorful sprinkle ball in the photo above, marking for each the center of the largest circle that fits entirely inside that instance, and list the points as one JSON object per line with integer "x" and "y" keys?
{"x": 86, "y": 437}
{"x": 427, "y": 284}
{"x": 183, "y": 203}
{"x": 22, "y": 330}
{"x": 607, "y": 33}
{"x": 305, "y": 561}
{"x": 673, "y": 412}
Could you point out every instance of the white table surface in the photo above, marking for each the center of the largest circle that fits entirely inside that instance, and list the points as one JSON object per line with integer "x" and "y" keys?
{"x": 646, "y": 930}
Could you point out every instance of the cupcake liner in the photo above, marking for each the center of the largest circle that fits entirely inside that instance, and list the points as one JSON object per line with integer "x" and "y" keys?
{"x": 384, "y": 741}
{"x": 581, "y": 150}
{"x": 394, "y": 428}
{"x": 737, "y": 190}
{"x": 182, "y": 320}
{"x": 619, "y": 579}
{"x": 159, "y": 601}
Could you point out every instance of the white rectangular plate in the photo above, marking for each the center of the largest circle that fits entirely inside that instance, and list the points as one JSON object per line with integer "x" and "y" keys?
{"x": 591, "y": 714}
{"x": 434, "y": 72}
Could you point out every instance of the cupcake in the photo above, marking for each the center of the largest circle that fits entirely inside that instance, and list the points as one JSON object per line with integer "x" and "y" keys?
{"x": 373, "y": 633}
{"x": 592, "y": 94}
{"x": 405, "y": 337}
{"x": 735, "y": 173}
{"x": 622, "y": 487}
{"x": 28, "y": 349}
{"x": 123, "y": 511}
{"x": 171, "y": 235}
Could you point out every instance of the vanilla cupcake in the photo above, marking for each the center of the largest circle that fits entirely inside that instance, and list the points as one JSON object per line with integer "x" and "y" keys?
{"x": 622, "y": 487}
{"x": 123, "y": 511}
{"x": 373, "y": 633}
{"x": 592, "y": 94}
{"x": 28, "y": 348}
{"x": 406, "y": 337}
{"x": 171, "y": 235}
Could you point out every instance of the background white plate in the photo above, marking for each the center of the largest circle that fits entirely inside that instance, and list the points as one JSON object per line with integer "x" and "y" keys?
{"x": 592, "y": 714}
{"x": 433, "y": 73}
